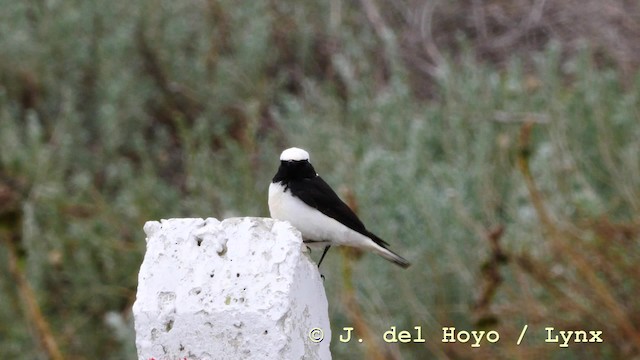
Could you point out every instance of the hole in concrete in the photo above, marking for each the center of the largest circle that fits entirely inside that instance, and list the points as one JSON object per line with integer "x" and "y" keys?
{"x": 168, "y": 326}
{"x": 195, "y": 291}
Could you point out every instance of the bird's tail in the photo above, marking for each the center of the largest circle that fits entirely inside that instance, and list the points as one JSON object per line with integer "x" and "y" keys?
{"x": 393, "y": 257}
{"x": 382, "y": 249}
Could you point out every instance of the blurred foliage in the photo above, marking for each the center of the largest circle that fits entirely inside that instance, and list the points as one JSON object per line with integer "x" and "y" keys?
{"x": 510, "y": 180}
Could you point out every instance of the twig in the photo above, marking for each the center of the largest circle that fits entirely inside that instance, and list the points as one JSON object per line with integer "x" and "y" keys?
{"x": 491, "y": 278}
{"x": 45, "y": 336}
{"x": 178, "y": 97}
{"x": 520, "y": 117}
{"x": 558, "y": 240}
{"x": 373, "y": 15}
{"x": 373, "y": 350}
{"x": 12, "y": 192}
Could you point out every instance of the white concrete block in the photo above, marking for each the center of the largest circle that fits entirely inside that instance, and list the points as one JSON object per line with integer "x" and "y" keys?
{"x": 243, "y": 288}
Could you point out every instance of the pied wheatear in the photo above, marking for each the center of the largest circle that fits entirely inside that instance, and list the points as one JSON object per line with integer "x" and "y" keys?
{"x": 297, "y": 194}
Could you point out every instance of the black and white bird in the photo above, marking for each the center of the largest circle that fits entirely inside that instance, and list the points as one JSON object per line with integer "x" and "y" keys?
{"x": 297, "y": 194}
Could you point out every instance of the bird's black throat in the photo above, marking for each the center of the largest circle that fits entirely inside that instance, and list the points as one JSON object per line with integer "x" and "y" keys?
{"x": 291, "y": 171}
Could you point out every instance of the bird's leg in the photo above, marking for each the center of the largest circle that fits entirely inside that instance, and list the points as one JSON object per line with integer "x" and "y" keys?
{"x": 323, "y": 254}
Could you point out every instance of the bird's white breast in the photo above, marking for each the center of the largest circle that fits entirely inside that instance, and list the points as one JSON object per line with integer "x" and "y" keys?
{"x": 312, "y": 223}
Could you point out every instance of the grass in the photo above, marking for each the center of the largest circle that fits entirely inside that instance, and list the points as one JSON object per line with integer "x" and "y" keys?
{"x": 514, "y": 190}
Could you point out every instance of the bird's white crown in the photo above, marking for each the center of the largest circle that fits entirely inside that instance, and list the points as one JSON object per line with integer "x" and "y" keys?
{"x": 294, "y": 154}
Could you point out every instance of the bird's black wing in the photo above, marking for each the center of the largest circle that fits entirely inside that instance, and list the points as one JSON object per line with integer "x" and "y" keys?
{"x": 316, "y": 193}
